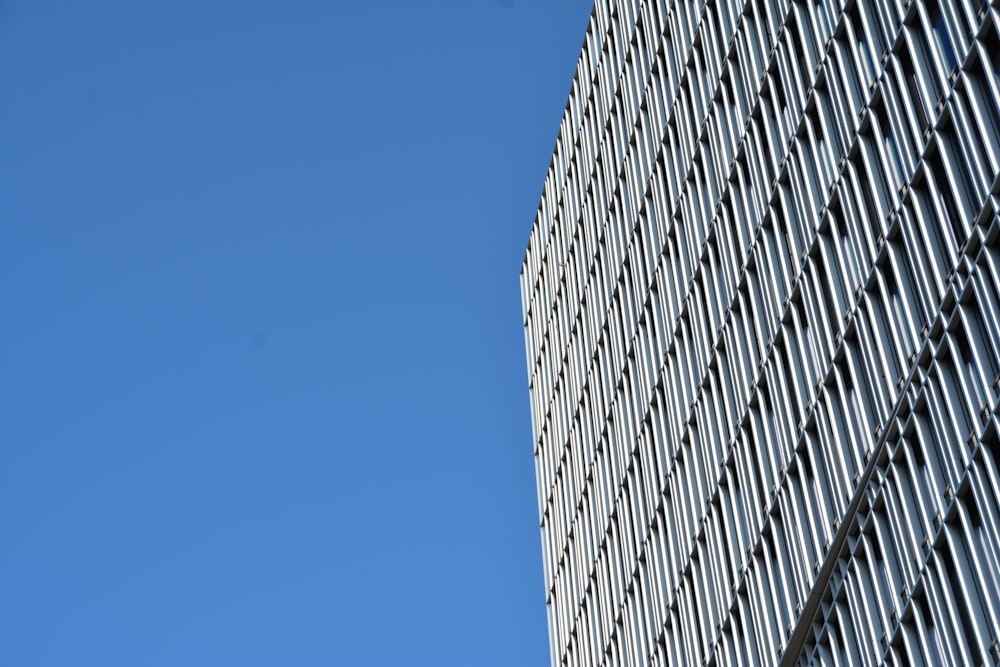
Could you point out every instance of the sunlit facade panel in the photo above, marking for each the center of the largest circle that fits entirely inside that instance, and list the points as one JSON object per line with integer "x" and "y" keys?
{"x": 761, "y": 300}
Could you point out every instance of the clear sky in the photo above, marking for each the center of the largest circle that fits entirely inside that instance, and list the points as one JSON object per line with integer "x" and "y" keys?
{"x": 263, "y": 395}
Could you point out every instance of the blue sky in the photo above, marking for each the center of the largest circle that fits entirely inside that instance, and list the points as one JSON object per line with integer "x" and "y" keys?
{"x": 262, "y": 384}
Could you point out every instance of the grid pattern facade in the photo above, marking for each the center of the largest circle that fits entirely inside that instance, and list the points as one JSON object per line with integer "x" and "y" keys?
{"x": 761, "y": 301}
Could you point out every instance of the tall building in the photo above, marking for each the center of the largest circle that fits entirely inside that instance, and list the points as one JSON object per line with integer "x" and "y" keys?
{"x": 761, "y": 300}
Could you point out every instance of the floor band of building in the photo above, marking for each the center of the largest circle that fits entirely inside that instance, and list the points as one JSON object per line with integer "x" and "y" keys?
{"x": 761, "y": 300}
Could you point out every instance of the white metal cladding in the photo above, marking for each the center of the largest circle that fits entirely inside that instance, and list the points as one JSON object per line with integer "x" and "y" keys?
{"x": 761, "y": 302}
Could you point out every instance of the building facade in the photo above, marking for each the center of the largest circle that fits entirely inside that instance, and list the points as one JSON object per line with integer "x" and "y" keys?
{"x": 761, "y": 300}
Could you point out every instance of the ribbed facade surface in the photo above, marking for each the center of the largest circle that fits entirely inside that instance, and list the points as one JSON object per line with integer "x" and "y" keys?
{"x": 761, "y": 301}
